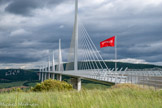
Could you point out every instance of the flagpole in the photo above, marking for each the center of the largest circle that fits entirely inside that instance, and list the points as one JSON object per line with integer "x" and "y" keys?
{"x": 115, "y": 53}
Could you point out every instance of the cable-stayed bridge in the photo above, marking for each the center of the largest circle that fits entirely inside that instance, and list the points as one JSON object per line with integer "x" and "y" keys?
{"x": 85, "y": 62}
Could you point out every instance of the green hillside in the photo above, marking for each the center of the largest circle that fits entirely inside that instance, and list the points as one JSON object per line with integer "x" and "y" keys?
{"x": 19, "y": 77}
{"x": 9, "y": 75}
{"x": 70, "y": 66}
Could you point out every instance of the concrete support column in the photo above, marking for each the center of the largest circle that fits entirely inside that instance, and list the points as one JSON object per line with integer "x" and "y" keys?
{"x": 52, "y": 76}
{"x": 59, "y": 77}
{"x": 48, "y": 77}
{"x": 39, "y": 74}
{"x": 76, "y": 82}
{"x": 42, "y": 79}
{"x": 45, "y": 76}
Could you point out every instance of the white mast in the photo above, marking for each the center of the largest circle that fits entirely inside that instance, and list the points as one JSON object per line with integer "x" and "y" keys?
{"x": 116, "y": 53}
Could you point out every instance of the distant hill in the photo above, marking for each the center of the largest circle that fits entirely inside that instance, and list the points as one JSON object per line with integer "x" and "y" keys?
{"x": 132, "y": 66}
{"x": 70, "y": 66}
{"x": 10, "y": 75}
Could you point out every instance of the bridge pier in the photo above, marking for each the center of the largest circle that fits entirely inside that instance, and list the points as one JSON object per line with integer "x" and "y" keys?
{"x": 42, "y": 79}
{"x": 48, "y": 76}
{"x": 52, "y": 76}
{"x": 39, "y": 74}
{"x": 76, "y": 83}
{"x": 45, "y": 76}
{"x": 59, "y": 77}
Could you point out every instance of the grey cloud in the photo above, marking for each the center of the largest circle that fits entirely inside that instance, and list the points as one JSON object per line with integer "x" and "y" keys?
{"x": 17, "y": 59}
{"x": 18, "y": 55}
{"x": 25, "y": 7}
{"x": 18, "y": 49}
{"x": 136, "y": 32}
{"x": 4, "y": 1}
{"x": 132, "y": 28}
{"x": 22, "y": 7}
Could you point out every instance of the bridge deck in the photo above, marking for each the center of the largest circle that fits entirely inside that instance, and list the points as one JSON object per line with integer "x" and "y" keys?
{"x": 114, "y": 76}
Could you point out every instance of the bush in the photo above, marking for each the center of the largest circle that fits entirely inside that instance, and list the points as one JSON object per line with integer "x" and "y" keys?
{"x": 19, "y": 90}
{"x": 52, "y": 85}
{"x": 14, "y": 89}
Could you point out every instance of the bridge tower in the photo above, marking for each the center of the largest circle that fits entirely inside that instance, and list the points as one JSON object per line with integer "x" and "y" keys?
{"x": 49, "y": 66}
{"x": 42, "y": 79}
{"x": 76, "y": 81}
{"x": 53, "y": 66}
{"x": 76, "y": 37}
{"x": 59, "y": 76}
{"x": 39, "y": 73}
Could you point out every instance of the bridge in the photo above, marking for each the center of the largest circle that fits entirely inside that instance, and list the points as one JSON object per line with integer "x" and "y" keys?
{"x": 85, "y": 62}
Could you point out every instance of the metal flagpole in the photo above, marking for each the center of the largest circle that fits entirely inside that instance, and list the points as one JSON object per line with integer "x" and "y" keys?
{"x": 115, "y": 53}
{"x": 59, "y": 61}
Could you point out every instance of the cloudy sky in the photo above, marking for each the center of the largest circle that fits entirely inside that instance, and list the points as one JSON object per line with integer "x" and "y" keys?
{"x": 30, "y": 28}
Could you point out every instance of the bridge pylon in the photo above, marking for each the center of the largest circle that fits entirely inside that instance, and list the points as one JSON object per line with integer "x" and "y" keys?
{"x": 53, "y": 67}
{"x": 49, "y": 68}
{"x": 60, "y": 67}
{"x": 76, "y": 82}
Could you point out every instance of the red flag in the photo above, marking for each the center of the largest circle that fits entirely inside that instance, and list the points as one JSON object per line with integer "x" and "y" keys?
{"x": 108, "y": 42}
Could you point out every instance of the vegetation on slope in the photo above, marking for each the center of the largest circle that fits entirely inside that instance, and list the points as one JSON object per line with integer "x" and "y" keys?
{"x": 119, "y": 96}
{"x": 52, "y": 85}
{"x": 13, "y": 75}
{"x": 70, "y": 66}
{"x": 12, "y": 84}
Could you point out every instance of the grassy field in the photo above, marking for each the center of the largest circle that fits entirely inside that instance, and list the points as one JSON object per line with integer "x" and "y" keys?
{"x": 125, "y": 96}
{"x": 91, "y": 86}
{"x": 12, "y": 84}
{"x": 17, "y": 84}
{"x": 86, "y": 85}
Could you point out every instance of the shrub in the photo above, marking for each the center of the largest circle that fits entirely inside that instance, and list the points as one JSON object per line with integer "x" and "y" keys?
{"x": 14, "y": 89}
{"x": 19, "y": 90}
{"x": 52, "y": 85}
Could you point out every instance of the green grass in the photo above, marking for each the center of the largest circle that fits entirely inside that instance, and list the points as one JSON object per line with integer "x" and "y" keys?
{"x": 91, "y": 86}
{"x": 18, "y": 83}
{"x": 12, "y": 84}
{"x": 31, "y": 83}
{"x": 116, "y": 97}
{"x": 86, "y": 85}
